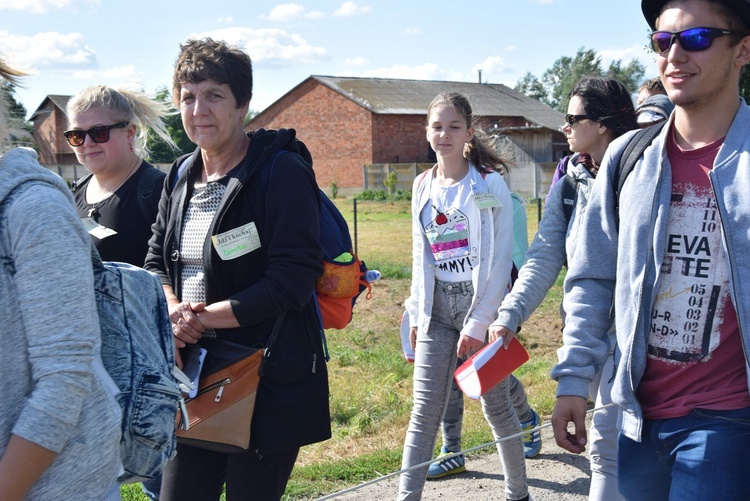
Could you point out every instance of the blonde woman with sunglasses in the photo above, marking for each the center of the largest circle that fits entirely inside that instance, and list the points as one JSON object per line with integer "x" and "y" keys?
{"x": 59, "y": 420}
{"x": 118, "y": 201}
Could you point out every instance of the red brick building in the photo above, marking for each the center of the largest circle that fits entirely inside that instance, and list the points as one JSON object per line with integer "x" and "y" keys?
{"x": 352, "y": 123}
{"x": 49, "y": 123}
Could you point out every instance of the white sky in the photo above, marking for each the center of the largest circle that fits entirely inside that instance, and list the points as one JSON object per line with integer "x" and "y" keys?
{"x": 69, "y": 44}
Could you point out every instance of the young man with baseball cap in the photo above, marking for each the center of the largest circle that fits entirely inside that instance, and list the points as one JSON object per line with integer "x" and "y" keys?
{"x": 671, "y": 256}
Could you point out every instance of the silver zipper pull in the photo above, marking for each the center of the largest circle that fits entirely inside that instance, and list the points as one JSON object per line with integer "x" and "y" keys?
{"x": 315, "y": 359}
{"x": 217, "y": 398}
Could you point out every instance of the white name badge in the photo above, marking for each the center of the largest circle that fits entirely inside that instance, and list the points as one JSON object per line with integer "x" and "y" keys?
{"x": 486, "y": 200}
{"x": 237, "y": 242}
{"x": 97, "y": 230}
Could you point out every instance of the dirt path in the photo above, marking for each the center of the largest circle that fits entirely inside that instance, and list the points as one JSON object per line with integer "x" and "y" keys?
{"x": 554, "y": 475}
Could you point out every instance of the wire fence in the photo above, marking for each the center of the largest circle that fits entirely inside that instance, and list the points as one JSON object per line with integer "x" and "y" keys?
{"x": 447, "y": 456}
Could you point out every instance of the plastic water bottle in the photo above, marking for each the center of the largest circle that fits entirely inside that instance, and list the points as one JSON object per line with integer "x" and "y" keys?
{"x": 372, "y": 276}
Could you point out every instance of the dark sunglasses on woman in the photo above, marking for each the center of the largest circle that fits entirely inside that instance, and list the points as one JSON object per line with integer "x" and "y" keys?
{"x": 572, "y": 119}
{"x": 98, "y": 134}
{"x": 691, "y": 39}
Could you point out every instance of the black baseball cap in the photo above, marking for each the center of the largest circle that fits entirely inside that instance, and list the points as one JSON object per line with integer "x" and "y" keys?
{"x": 652, "y": 8}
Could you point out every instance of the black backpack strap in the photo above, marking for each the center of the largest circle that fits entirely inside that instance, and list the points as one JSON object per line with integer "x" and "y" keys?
{"x": 569, "y": 195}
{"x": 181, "y": 166}
{"x": 80, "y": 182}
{"x": 144, "y": 193}
{"x": 633, "y": 151}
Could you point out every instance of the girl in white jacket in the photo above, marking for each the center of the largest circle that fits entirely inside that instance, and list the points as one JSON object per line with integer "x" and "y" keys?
{"x": 462, "y": 230}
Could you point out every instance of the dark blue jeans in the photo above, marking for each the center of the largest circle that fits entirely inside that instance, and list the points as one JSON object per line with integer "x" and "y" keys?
{"x": 704, "y": 455}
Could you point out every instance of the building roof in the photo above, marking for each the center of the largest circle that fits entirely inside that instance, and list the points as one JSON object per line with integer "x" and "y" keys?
{"x": 57, "y": 100}
{"x": 412, "y": 97}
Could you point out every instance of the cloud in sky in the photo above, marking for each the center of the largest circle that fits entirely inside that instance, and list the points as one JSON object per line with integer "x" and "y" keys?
{"x": 121, "y": 74}
{"x": 289, "y": 11}
{"x": 272, "y": 46}
{"x": 639, "y": 52}
{"x": 492, "y": 65}
{"x": 225, "y": 20}
{"x": 349, "y": 9}
{"x": 43, "y": 6}
{"x": 49, "y": 50}
{"x": 355, "y": 61}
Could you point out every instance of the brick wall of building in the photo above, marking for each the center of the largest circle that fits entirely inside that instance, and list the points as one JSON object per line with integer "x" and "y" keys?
{"x": 344, "y": 136}
{"x": 337, "y": 131}
{"x": 49, "y": 124}
{"x": 400, "y": 139}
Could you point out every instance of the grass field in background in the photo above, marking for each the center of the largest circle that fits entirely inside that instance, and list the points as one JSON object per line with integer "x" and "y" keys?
{"x": 370, "y": 381}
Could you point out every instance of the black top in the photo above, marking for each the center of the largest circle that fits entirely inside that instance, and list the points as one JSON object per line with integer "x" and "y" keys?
{"x": 123, "y": 213}
{"x": 274, "y": 279}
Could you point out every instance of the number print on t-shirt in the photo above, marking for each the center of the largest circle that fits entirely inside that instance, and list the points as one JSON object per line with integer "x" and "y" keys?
{"x": 692, "y": 291}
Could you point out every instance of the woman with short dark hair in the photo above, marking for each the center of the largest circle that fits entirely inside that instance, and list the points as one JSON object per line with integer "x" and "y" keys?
{"x": 259, "y": 188}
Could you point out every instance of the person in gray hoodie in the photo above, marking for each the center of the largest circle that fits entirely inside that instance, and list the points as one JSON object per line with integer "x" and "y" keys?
{"x": 60, "y": 422}
{"x": 609, "y": 107}
{"x": 669, "y": 258}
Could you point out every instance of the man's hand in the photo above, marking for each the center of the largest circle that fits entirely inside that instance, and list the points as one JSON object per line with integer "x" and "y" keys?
{"x": 570, "y": 409}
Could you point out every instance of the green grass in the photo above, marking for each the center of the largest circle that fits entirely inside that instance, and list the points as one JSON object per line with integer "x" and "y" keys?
{"x": 383, "y": 234}
{"x": 371, "y": 382}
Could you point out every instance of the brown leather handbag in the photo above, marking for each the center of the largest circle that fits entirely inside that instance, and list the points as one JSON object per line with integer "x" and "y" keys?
{"x": 220, "y": 415}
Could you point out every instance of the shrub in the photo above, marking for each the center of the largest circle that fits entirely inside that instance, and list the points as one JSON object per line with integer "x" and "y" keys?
{"x": 381, "y": 196}
{"x": 390, "y": 182}
{"x": 401, "y": 195}
{"x": 372, "y": 196}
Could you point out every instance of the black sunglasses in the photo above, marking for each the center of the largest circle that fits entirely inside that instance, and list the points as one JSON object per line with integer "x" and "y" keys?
{"x": 572, "y": 119}
{"x": 691, "y": 39}
{"x": 98, "y": 134}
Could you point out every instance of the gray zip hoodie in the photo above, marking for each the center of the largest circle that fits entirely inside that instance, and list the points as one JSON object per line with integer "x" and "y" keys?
{"x": 553, "y": 243}
{"x": 56, "y": 392}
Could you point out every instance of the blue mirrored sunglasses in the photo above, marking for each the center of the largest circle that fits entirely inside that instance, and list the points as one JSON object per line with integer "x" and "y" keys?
{"x": 691, "y": 39}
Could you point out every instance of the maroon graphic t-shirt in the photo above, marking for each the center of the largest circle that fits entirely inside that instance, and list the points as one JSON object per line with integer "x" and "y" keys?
{"x": 695, "y": 356}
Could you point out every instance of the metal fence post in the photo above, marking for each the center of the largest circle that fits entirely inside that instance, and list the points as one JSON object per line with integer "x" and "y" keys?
{"x": 354, "y": 202}
{"x": 538, "y": 210}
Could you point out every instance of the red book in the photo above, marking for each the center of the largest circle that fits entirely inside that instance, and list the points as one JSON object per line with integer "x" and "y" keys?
{"x": 490, "y": 365}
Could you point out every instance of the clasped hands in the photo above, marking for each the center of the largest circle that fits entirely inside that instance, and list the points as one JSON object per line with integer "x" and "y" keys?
{"x": 186, "y": 325}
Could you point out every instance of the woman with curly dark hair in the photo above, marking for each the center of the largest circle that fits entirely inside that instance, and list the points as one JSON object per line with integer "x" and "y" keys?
{"x": 599, "y": 111}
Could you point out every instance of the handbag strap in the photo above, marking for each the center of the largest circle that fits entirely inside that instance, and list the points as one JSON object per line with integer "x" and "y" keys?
{"x": 271, "y": 343}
